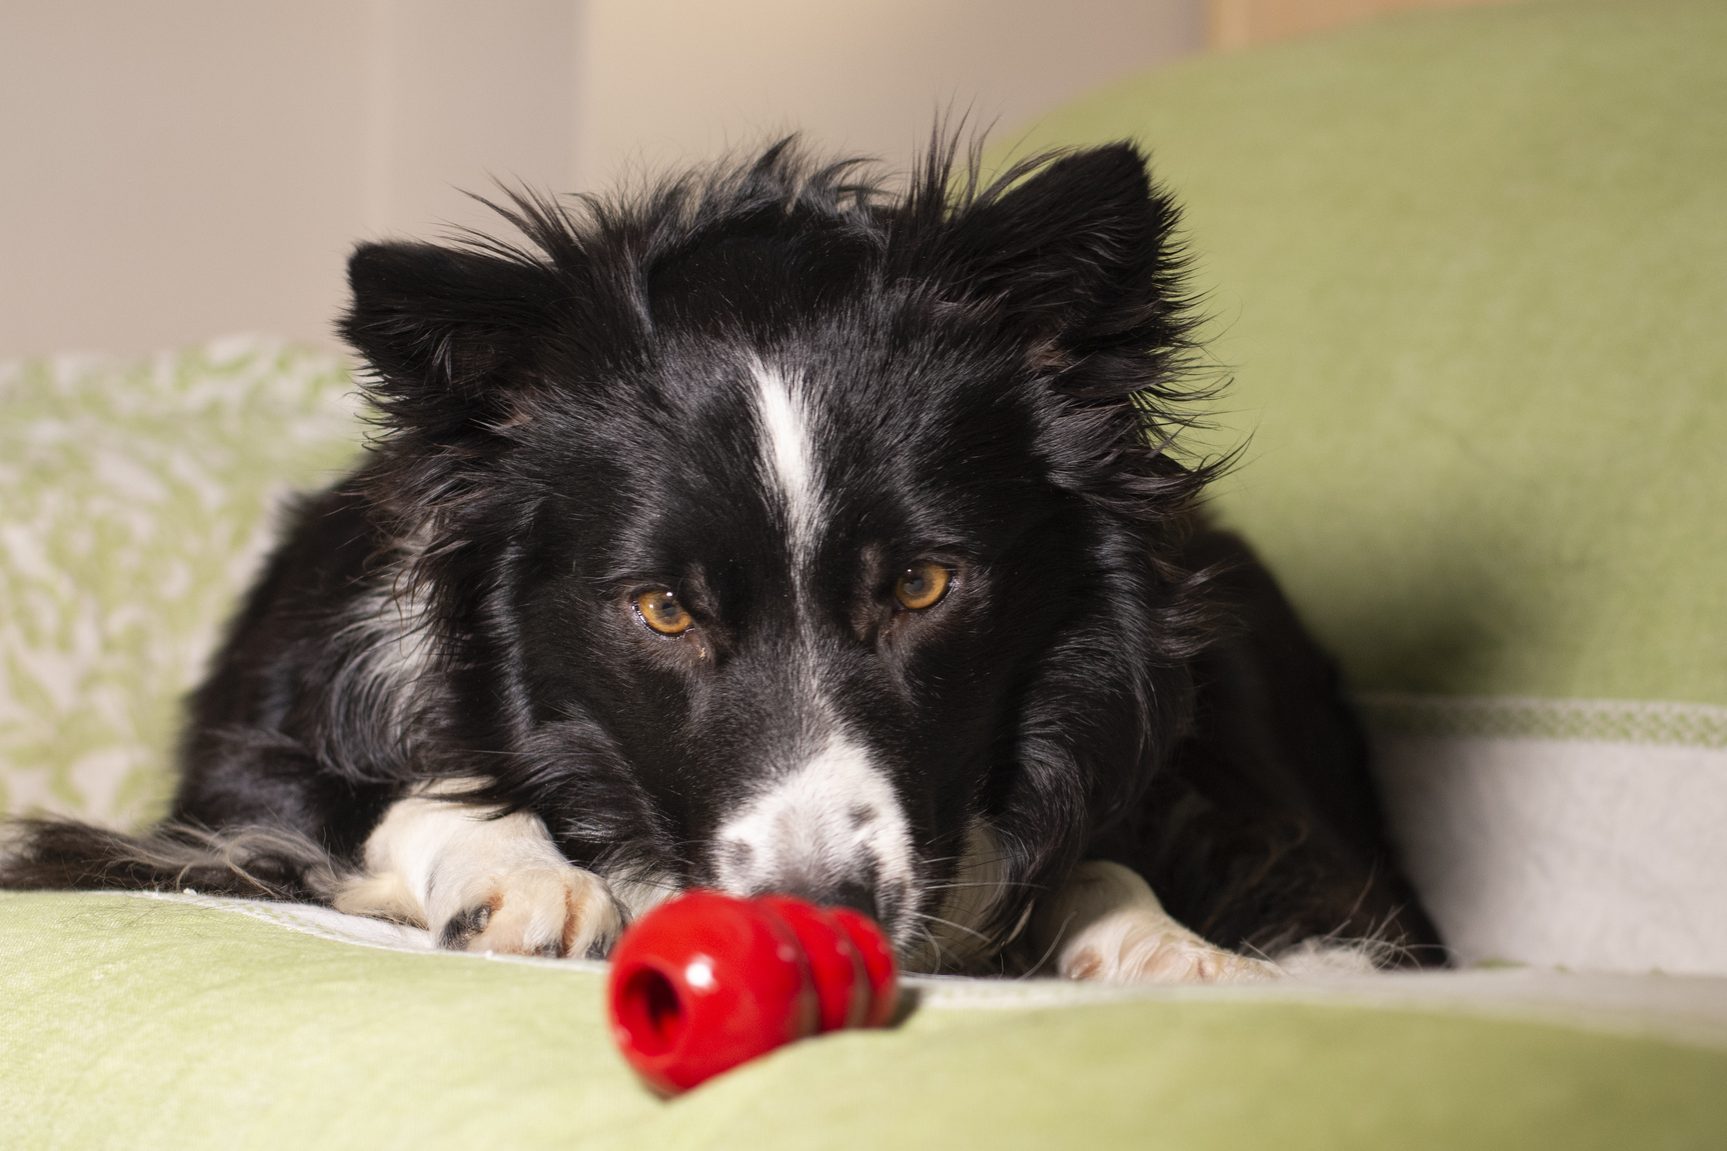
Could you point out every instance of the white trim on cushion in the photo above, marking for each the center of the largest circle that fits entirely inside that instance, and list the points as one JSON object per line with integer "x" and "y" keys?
{"x": 1593, "y": 853}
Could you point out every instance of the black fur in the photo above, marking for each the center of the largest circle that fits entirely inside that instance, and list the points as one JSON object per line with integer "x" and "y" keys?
{"x": 1002, "y": 383}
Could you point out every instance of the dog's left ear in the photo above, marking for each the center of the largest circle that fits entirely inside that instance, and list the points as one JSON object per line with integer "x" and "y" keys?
{"x": 442, "y": 327}
{"x": 1074, "y": 250}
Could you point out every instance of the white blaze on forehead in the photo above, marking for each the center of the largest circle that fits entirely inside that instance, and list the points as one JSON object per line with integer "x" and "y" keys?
{"x": 788, "y": 452}
{"x": 835, "y": 819}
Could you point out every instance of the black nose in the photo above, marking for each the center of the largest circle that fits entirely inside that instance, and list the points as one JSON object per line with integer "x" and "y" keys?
{"x": 855, "y": 896}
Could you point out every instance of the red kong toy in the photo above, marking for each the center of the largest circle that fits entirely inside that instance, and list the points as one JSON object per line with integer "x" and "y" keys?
{"x": 706, "y": 981}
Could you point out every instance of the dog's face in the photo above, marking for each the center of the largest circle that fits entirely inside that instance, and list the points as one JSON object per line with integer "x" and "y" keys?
{"x": 798, "y": 583}
{"x": 783, "y": 547}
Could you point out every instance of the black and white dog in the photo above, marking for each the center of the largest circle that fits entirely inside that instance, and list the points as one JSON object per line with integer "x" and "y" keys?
{"x": 772, "y": 532}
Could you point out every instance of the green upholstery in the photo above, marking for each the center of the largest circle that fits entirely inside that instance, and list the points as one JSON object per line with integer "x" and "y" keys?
{"x": 143, "y": 1023}
{"x": 1468, "y": 276}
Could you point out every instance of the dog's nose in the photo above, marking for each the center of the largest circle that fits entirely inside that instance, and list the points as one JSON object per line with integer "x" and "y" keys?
{"x": 857, "y": 896}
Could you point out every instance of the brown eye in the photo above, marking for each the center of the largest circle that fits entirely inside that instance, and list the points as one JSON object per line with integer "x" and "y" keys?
{"x": 922, "y": 585}
{"x": 660, "y": 610}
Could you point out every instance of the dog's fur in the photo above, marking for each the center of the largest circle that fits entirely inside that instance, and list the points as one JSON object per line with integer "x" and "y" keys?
{"x": 770, "y": 391}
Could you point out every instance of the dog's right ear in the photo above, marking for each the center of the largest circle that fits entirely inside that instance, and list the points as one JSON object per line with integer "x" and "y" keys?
{"x": 442, "y": 327}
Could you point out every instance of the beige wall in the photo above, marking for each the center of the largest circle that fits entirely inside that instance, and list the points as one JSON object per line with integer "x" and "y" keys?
{"x": 184, "y": 168}
{"x": 665, "y": 80}
{"x": 180, "y": 169}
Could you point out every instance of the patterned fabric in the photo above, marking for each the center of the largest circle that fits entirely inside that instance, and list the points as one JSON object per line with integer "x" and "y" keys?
{"x": 135, "y": 501}
{"x": 1694, "y": 725}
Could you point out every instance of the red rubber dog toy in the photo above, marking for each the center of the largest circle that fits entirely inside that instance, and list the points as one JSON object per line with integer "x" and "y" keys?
{"x": 707, "y": 981}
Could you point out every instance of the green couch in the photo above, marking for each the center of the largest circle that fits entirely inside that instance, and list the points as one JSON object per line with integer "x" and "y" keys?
{"x": 1468, "y": 274}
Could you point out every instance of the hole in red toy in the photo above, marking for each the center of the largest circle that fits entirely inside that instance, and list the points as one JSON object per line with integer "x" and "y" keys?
{"x": 650, "y": 1011}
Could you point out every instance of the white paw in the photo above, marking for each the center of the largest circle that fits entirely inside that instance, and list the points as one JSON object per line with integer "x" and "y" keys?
{"x": 1152, "y": 953}
{"x": 551, "y": 911}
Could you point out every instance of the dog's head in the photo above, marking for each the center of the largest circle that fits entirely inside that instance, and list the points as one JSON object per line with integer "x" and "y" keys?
{"x": 787, "y": 535}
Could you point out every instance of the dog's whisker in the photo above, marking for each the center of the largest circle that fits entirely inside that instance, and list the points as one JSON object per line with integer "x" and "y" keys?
{"x": 1054, "y": 942}
{"x": 928, "y": 918}
{"x": 983, "y": 883}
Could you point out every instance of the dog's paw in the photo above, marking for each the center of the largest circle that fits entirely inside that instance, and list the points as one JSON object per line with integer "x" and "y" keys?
{"x": 1152, "y": 953}
{"x": 549, "y": 911}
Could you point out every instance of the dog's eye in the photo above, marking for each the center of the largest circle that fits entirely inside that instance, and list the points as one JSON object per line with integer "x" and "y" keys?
{"x": 922, "y": 586}
{"x": 660, "y": 610}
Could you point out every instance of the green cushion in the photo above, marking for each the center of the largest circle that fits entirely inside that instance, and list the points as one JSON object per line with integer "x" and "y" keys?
{"x": 144, "y": 1023}
{"x": 1467, "y": 272}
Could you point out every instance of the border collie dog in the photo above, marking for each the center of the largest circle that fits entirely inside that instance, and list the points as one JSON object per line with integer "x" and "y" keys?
{"x": 774, "y": 531}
